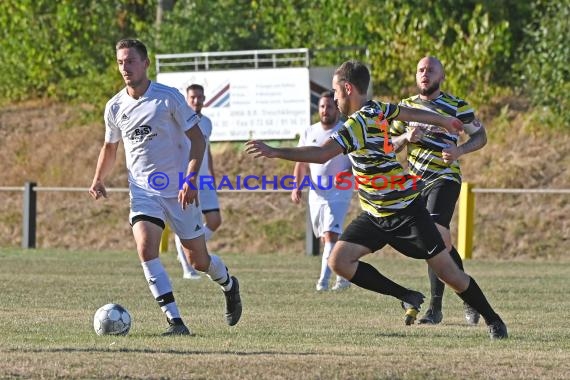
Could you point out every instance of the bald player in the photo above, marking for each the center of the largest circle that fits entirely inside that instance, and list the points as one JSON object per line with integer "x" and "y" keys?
{"x": 432, "y": 154}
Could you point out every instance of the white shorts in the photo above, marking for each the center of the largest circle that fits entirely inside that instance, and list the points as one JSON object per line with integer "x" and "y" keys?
{"x": 187, "y": 224}
{"x": 328, "y": 216}
{"x": 208, "y": 200}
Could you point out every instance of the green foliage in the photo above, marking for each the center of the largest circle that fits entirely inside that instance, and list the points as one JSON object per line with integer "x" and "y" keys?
{"x": 60, "y": 50}
{"x": 199, "y": 25}
{"x": 545, "y": 74}
{"x": 469, "y": 45}
{"x": 397, "y": 33}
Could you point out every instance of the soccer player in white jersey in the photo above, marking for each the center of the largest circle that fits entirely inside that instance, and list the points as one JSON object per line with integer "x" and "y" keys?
{"x": 327, "y": 204}
{"x": 207, "y": 195}
{"x": 164, "y": 150}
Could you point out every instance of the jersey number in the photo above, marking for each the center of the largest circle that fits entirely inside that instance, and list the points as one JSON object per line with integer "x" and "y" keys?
{"x": 383, "y": 125}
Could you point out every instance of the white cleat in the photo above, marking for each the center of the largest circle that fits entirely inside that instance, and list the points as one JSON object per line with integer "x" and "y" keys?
{"x": 341, "y": 285}
{"x": 321, "y": 287}
{"x": 191, "y": 276}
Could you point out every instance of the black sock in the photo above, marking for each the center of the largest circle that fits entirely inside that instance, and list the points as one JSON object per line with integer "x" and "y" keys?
{"x": 369, "y": 278}
{"x": 436, "y": 285}
{"x": 175, "y": 321}
{"x": 474, "y": 297}
{"x": 456, "y": 257}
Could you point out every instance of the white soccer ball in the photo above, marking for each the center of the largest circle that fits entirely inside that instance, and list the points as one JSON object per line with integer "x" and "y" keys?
{"x": 112, "y": 319}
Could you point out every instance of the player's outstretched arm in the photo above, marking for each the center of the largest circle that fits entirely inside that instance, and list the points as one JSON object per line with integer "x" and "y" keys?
{"x": 452, "y": 124}
{"x": 315, "y": 154}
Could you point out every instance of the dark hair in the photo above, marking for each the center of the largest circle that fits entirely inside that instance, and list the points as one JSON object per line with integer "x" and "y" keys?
{"x": 327, "y": 94}
{"x": 354, "y": 72}
{"x": 195, "y": 87}
{"x": 128, "y": 43}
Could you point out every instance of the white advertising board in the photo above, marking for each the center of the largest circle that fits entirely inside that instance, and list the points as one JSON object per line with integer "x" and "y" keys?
{"x": 270, "y": 104}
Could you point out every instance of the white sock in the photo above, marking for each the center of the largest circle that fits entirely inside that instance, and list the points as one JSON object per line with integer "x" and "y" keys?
{"x": 219, "y": 273}
{"x": 160, "y": 287}
{"x": 340, "y": 279}
{"x": 325, "y": 270}
{"x": 186, "y": 267}
{"x": 207, "y": 232}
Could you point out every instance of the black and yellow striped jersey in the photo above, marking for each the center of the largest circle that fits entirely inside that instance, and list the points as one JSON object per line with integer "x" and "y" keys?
{"x": 425, "y": 156}
{"x": 383, "y": 188}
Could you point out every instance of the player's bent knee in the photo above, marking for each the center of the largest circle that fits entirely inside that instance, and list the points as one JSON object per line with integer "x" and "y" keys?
{"x": 216, "y": 225}
{"x": 341, "y": 265}
{"x": 213, "y": 221}
{"x": 333, "y": 264}
{"x": 200, "y": 262}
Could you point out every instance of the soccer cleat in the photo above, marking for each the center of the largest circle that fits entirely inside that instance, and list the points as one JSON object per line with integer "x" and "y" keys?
{"x": 411, "y": 304}
{"x": 321, "y": 287}
{"x": 176, "y": 327}
{"x": 498, "y": 329}
{"x": 341, "y": 284}
{"x": 191, "y": 276}
{"x": 233, "y": 303}
{"x": 431, "y": 317}
{"x": 411, "y": 313}
{"x": 471, "y": 315}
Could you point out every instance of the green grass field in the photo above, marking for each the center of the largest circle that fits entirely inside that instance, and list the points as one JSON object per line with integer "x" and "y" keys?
{"x": 287, "y": 331}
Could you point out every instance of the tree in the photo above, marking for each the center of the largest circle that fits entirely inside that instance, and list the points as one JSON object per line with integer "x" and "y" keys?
{"x": 545, "y": 74}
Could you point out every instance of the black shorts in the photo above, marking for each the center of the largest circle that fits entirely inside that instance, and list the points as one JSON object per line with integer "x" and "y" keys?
{"x": 410, "y": 231}
{"x": 440, "y": 199}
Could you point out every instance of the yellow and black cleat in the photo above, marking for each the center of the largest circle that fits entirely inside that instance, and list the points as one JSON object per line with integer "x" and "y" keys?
{"x": 411, "y": 313}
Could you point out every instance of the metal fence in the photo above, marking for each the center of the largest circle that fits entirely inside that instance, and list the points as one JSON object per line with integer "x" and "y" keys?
{"x": 29, "y": 213}
{"x": 466, "y": 212}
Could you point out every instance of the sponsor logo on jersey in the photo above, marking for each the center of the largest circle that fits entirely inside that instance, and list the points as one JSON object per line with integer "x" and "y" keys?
{"x": 140, "y": 133}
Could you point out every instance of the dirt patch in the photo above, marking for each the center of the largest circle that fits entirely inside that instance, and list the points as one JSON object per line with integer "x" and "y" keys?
{"x": 51, "y": 145}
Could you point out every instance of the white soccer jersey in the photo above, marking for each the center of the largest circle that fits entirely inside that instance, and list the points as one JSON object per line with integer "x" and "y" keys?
{"x": 152, "y": 129}
{"x": 206, "y": 127}
{"x": 323, "y": 174}
{"x": 208, "y": 196}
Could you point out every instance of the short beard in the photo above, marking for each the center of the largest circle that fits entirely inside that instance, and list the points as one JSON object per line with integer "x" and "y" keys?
{"x": 430, "y": 90}
{"x": 327, "y": 120}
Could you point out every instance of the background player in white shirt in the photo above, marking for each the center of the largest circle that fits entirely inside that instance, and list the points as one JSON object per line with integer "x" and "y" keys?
{"x": 207, "y": 194}
{"x": 327, "y": 204}
{"x": 158, "y": 129}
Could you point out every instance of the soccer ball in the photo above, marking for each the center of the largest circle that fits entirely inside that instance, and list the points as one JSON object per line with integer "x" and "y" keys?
{"x": 112, "y": 319}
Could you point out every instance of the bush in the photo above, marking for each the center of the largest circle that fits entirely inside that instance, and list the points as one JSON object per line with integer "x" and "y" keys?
{"x": 66, "y": 50}
{"x": 545, "y": 74}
